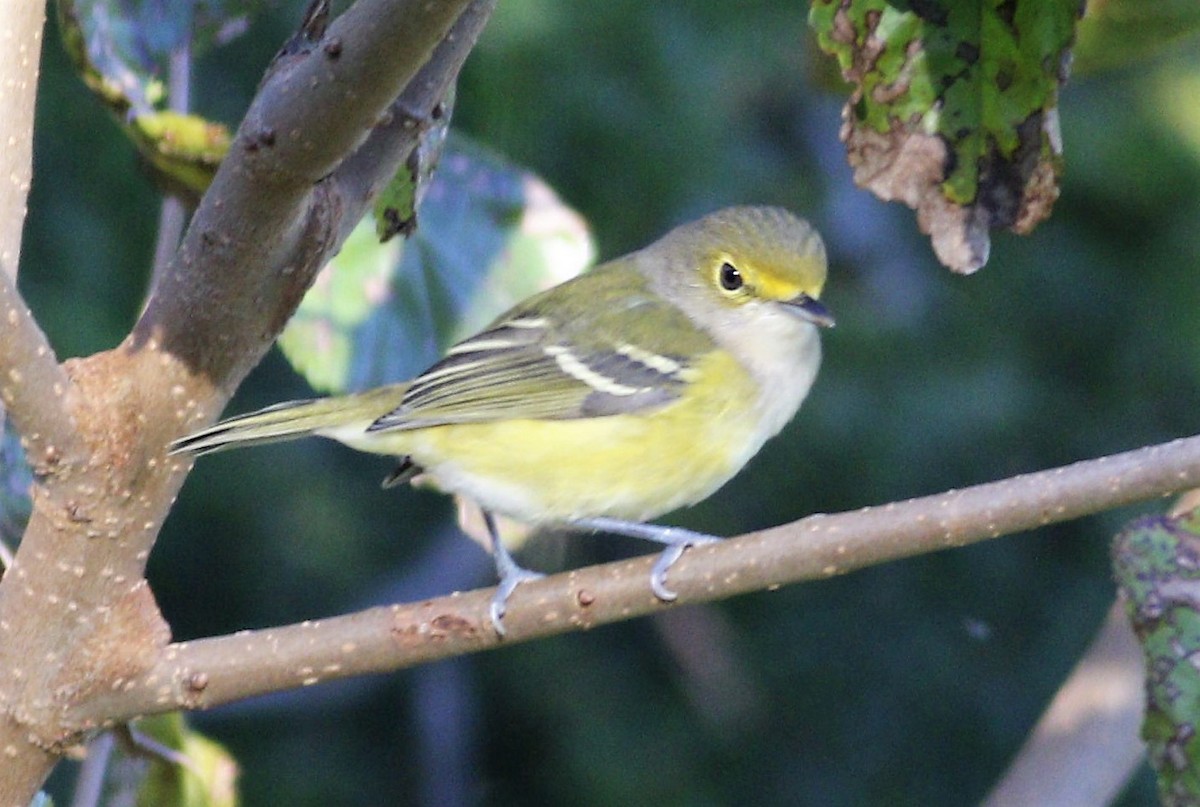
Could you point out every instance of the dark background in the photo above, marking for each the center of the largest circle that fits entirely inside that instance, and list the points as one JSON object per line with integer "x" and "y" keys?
{"x": 911, "y": 683}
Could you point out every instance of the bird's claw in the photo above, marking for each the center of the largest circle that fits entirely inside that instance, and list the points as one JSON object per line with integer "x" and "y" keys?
{"x": 513, "y": 577}
{"x": 673, "y": 552}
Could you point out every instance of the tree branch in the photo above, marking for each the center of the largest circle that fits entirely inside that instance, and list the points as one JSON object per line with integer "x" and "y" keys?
{"x": 209, "y": 672}
{"x": 31, "y": 382}
{"x": 21, "y": 42}
{"x": 1090, "y": 729}
{"x": 399, "y": 131}
{"x": 270, "y": 221}
{"x": 32, "y": 385}
{"x": 75, "y": 613}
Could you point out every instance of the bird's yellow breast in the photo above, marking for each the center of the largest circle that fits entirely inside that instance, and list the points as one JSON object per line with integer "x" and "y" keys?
{"x": 628, "y": 466}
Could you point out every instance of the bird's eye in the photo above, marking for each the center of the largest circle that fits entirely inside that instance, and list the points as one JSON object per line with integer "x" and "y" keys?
{"x": 730, "y": 277}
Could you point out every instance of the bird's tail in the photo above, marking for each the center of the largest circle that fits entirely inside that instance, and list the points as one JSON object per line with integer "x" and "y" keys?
{"x": 294, "y": 419}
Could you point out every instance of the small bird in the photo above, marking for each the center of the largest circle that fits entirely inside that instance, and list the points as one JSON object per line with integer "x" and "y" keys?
{"x": 606, "y": 401}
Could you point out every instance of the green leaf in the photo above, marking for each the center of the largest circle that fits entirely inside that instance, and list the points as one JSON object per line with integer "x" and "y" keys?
{"x": 396, "y": 206}
{"x": 954, "y": 109}
{"x": 16, "y": 480}
{"x": 489, "y": 235}
{"x": 1157, "y": 566}
{"x": 185, "y": 150}
{"x": 121, "y": 51}
{"x": 206, "y": 777}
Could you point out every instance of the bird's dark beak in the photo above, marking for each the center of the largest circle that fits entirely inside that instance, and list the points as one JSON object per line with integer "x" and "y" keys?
{"x": 811, "y": 309}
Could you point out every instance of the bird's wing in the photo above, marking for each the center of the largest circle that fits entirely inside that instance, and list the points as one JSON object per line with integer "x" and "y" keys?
{"x": 601, "y": 353}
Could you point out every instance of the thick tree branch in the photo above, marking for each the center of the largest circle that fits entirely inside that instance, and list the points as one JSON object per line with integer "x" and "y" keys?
{"x": 32, "y": 385}
{"x": 394, "y": 138}
{"x": 269, "y": 221}
{"x": 208, "y": 672}
{"x": 75, "y": 614}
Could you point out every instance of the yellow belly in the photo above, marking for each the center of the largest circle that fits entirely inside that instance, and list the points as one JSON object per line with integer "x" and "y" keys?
{"x": 632, "y": 467}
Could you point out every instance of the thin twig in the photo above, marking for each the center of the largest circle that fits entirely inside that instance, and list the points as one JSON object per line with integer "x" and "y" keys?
{"x": 208, "y": 672}
{"x": 89, "y": 784}
{"x": 172, "y": 213}
{"x": 142, "y": 744}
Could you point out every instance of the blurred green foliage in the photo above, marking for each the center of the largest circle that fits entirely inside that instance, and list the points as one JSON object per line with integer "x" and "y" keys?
{"x": 908, "y": 684}
{"x": 207, "y": 777}
{"x": 122, "y": 52}
{"x": 1117, "y": 32}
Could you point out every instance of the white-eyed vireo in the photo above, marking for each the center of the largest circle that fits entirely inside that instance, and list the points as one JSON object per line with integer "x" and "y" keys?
{"x": 624, "y": 393}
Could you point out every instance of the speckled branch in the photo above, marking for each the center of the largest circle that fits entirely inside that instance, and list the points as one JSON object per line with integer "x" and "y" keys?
{"x": 275, "y": 211}
{"x": 32, "y": 385}
{"x": 76, "y": 616}
{"x": 205, "y": 673}
{"x": 21, "y": 44}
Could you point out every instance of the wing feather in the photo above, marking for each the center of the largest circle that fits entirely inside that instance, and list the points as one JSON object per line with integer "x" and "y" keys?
{"x": 577, "y": 363}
